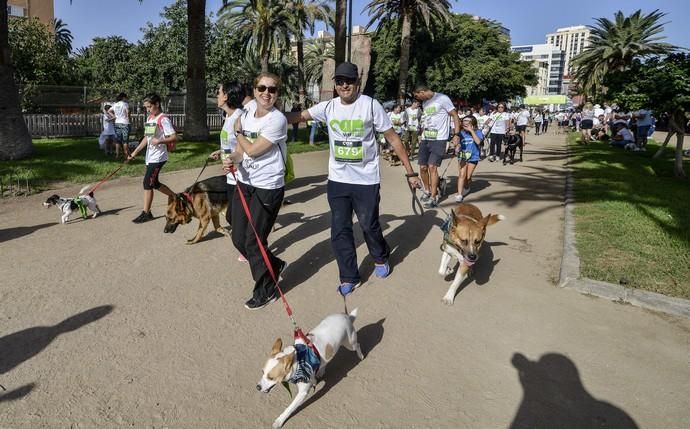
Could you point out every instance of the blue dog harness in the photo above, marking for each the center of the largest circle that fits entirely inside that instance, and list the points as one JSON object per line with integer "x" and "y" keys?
{"x": 308, "y": 364}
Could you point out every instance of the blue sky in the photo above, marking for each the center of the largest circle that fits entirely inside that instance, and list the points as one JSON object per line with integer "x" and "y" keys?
{"x": 528, "y": 20}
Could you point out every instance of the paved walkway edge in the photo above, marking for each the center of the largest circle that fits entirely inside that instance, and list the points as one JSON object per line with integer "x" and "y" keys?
{"x": 570, "y": 269}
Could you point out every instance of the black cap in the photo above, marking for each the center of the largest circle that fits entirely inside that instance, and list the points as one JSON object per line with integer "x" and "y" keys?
{"x": 347, "y": 70}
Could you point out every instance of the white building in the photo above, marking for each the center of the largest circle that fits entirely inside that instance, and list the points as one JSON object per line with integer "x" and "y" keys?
{"x": 571, "y": 40}
{"x": 548, "y": 62}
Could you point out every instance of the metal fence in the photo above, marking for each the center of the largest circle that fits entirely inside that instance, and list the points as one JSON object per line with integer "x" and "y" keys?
{"x": 80, "y": 125}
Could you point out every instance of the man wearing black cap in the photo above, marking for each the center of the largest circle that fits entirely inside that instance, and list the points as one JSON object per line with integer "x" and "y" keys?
{"x": 354, "y": 178}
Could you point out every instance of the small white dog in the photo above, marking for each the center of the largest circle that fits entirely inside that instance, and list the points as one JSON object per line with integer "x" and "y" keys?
{"x": 301, "y": 364}
{"x": 69, "y": 205}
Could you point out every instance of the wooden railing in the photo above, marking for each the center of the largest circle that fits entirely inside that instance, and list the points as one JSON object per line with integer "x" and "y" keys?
{"x": 79, "y": 125}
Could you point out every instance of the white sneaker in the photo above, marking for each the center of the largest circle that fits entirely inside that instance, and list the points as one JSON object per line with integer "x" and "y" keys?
{"x": 459, "y": 198}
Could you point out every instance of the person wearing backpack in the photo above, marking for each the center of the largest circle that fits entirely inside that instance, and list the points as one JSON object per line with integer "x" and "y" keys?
{"x": 159, "y": 137}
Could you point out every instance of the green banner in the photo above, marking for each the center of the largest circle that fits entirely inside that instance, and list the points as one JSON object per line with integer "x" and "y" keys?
{"x": 545, "y": 99}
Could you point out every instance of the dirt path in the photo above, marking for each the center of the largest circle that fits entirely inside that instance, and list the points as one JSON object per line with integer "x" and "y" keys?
{"x": 174, "y": 347}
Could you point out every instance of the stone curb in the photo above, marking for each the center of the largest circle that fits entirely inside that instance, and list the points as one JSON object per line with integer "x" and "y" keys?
{"x": 570, "y": 269}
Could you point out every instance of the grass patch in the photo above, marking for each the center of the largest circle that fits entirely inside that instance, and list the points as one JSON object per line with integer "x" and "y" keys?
{"x": 79, "y": 161}
{"x": 632, "y": 218}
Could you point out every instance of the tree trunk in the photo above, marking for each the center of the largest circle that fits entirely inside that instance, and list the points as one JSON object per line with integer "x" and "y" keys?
{"x": 677, "y": 125}
{"x": 658, "y": 153}
{"x": 300, "y": 72}
{"x": 195, "y": 127}
{"x": 404, "y": 57}
{"x": 340, "y": 30}
{"x": 15, "y": 141}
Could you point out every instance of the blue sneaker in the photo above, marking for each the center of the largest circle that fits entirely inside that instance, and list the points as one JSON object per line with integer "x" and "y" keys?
{"x": 382, "y": 270}
{"x": 347, "y": 288}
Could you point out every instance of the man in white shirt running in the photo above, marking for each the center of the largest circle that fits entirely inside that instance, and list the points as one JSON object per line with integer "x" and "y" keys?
{"x": 438, "y": 109}
{"x": 354, "y": 178}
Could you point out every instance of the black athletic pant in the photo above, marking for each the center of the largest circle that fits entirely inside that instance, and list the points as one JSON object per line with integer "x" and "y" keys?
{"x": 264, "y": 205}
{"x": 495, "y": 146}
{"x": 363, "y": 200}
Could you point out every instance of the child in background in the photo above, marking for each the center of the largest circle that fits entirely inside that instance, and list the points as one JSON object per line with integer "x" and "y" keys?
{"x": 158, "y": 133}
{"x": 469, "y": 155}
{"x": 106, "y": 141}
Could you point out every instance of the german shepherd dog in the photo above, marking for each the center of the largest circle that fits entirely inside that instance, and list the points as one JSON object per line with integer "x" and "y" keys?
{"x": 203, "y": 200}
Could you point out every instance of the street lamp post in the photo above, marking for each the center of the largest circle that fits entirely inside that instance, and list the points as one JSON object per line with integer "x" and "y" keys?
{"x": 349, "y": 30}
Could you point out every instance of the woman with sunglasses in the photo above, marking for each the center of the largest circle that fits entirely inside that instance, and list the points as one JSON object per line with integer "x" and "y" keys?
{"x": 501, "y": 125}
{"x": 468, "y": 155}
{"x": 261, "y": 150}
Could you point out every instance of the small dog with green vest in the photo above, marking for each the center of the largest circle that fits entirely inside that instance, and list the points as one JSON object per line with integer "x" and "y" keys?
{"x": 84, "y": 203}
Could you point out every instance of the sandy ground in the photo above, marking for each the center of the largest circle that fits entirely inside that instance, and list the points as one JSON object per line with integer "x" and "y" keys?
{"x": 108, "y": 324}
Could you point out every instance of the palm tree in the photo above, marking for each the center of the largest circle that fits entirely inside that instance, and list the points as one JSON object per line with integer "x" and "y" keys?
{"x": 316, "y": 53}
{"x": 340, "y": 29}
{"x": 615, "y": 44}
{"x": 15, "y": 141}
{"x": 63, "y": 36}
{"x": 303, "y": 16}
{"x": 411, "y": 12}
{"x": 264, "y": 26}
{"x": 195, "y": 127}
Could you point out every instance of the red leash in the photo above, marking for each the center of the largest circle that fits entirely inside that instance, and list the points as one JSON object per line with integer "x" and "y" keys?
{"x": 298, "y": 331}
{"x": 106, "y": 178}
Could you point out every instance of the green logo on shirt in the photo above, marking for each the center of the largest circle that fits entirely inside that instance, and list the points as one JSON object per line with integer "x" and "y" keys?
{"x": 348, "y": 127}
{"x": 430, "y": 110}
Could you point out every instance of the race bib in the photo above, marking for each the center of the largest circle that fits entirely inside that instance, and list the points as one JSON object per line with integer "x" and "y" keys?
{"x": 430, "y": 133}
{"x": 412, "y": 128}
{"x": 348, "y": 151}
{"x": 150, "y": 129}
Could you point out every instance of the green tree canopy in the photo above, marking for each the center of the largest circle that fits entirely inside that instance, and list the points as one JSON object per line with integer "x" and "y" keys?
{"x": 474, "y": 61}
{"x": 35, "y": 55}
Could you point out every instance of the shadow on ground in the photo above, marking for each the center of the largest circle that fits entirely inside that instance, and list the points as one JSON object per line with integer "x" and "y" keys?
{"x": 20, "y": 231}
{"x": 554, "y": 397}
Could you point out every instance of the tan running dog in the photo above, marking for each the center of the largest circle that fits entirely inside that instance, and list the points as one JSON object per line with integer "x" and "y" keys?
{"x": 463, "y": 235}
{"x": 204, "y": 200}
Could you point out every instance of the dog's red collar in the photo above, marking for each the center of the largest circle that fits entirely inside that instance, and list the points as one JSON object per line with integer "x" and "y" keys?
{"x": 188, "y": 197}
{"x": 300, "y": 335}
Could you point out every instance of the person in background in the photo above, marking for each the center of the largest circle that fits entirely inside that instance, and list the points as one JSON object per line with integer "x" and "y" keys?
{"x": 438, "y": 112}
{"x": 644, "y": 124}
{"x": 229, "y": 98}
{"x": 500, "y": 125}
{"x": 538, "y": 120}
{"x": 106, "y": 141}
{"x": 158, "y": 133}
{"x": 120, "y": 110}
{"x": 411, "y": 136}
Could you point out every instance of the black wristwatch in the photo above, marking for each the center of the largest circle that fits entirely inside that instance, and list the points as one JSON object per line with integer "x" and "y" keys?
{"x": 408, "y": 175}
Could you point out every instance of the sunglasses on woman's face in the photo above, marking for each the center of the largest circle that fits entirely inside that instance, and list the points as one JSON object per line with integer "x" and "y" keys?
{"x": 263, "y": 88}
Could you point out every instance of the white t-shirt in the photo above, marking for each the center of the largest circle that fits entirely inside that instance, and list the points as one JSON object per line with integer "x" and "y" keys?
{"x": 354, "y": 156}
{"x": 397, "y": 119}
{"x": 157, "y": 152}
{"x": 228, "y": 140}
{"x": 436, "y": 117}
{"x": 121, "y": 110}
{"x": 481, "y": 120}
{"x": 268, "y": 170}
{"x": 413, "y": 117}
{"x": 522, "y": 118}
{"x": 499, "y": 122}
{"x": 108, "y": 126}
{"x": 588, "y": 114}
